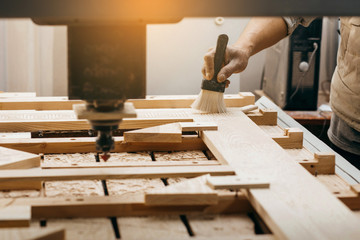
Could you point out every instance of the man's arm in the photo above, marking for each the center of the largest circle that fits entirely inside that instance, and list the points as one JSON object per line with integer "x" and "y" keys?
{"x": 260, "y": 33}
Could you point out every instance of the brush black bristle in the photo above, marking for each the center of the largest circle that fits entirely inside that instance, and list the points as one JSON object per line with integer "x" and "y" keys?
{"x": 213, "y": 85}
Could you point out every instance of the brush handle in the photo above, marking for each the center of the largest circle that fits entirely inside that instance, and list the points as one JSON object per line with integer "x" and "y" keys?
{"x": 220, "y": 54}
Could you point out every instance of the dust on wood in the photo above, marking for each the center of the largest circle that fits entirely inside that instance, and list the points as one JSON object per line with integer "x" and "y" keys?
{"x": 72, "y": 188}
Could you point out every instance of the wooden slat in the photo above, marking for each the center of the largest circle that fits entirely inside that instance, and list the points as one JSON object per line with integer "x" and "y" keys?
{"x": 87, "y": 144}
{"x": 111, "y": 173}
{"x": 322, "y": 163}
{"x": 131, "y": 204}
{"x": 34, "y": 233}
{"x": 295, "y": 206}
{"x": 198, "y": 126}
{"x": 24, "y": 125}
{"x": 168, "y": 133}
{"x": 193, "y": 163}
{"x": 28, "y": 102}
{"x": 15, "y": 159}
{"x": 15, "y": 216}
{"x": 189, "y": 192}
{"x": 185, "y": 101}
{"x": 236, "y": 182}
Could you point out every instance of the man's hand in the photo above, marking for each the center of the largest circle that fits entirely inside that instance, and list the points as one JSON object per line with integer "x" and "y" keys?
{"x": 236, "y": 61}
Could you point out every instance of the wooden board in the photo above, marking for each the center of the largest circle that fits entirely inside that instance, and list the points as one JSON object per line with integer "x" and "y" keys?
{"x": 168, "y": 133}
{"x": 190, "y": 192}
{"x": 236, "y": 182}
{"x": 247, "y": 148}
{"x": 14, "y": 159}
{"x": 193, "y": 163}
{"x": 87, "y": 144}
{"x": 129, "y": 204}
{"x": 26, "y": 101}
{"x": 112, "y": 173}
{"x": 15, "y": 216}
{"x": 33, "y": 233}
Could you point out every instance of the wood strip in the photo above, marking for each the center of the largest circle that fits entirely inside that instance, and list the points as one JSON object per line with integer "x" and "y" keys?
{"x": 111, "y": 173}
{"x": 36, "y": 233}
{"x": 47, "y": 125}
{"x": 15, "y": 216}
{"x": 198, "y": 126}
{"x": 87, "y": 144}
{"x": 236, "y": 182}
{"x": 185, "y": 101}
{"x": 28, "y": 102}
{"x": 247, "y": 148}
{"x": 168, "y": 133}
{"x": 131, "y": 204}
{"x": 189, "y": 192}
{"x": 193, "y": 163}
{"x": 15, "y": 159}
{"x": 153, "y": 228}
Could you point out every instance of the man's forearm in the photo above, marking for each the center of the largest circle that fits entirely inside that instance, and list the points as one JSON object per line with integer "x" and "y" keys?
{"x": 261, "y": 33}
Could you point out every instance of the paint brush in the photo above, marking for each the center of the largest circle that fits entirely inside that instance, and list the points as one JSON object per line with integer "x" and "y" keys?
{"x": 211, "y": 97}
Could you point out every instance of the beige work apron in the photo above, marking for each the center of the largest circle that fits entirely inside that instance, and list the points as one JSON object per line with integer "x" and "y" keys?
{"x": 345, "y": 85}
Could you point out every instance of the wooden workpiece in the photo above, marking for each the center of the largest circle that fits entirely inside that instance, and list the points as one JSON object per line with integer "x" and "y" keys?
{"x": 295, "y": 206}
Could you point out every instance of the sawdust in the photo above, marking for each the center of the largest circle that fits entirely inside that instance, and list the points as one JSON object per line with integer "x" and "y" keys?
{"x": 70, "y": 158}
{"x": 19, "y": 193}
{"x": 130, "y": 157}
{"x": 119, "y": 187}
{"x": 73, "y": 188}
{"x": 180, "y": 156}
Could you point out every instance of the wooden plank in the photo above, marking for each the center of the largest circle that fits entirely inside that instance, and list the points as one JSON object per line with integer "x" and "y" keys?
{"x": 247, "y": 148}
{"x": 33, "y": 233}
{"x": 25, "y": 125}
{"x": 87, "y": 144}
{"x": 15, "y": 216}
{"x": 185, "y": 101}
{"x": 198, "y": 126}
{"x": 168, "y": 133}
{"x": 193, "y": 163}
{"x": 236, "y": 182}
{"x": 128, "y": 111}
{"x": 152, "y": 228}
{"x": 131, "y": 204}
{"x": 84, "y": 229}
{"x": 348, "y": 194}
{"x": 28, "y": 102}
{"x": 15, "y": 159}
{"x": 189, "y": 192}
{"x": 111, "y": 173}
{"x": 38, "y": 103}
{"x": 234, "y": 226}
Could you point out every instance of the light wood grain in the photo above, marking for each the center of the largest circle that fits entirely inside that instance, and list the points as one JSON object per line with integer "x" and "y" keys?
{"x": 168, "y": 133}
{"x": 110, "y": 173}
{"x": 244, "y": 146}
{"x": 87, "y": 144}
{"x": 130, "y": 204}
{"x": 264, "y": 117}
{"x": 236, "y": 182}
{"x": 15, "y": 216}
{"x": 15, "y": 159}
{"x": 189, "y": 192}
{"x": 33, "y": 233}
{"x": 193, "y": 163}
